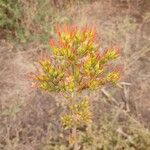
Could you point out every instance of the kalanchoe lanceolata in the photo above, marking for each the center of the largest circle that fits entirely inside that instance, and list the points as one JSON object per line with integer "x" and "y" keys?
{"x": 77, "y": 64}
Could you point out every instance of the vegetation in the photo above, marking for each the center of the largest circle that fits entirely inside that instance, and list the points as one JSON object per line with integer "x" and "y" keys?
{"x": 24, "y": 20}
{"x": 77, "y": 65}
{"x": 78, "y": 102}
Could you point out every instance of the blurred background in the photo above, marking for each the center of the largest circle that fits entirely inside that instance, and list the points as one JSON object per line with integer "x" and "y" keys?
{"x": 29, "y": 118}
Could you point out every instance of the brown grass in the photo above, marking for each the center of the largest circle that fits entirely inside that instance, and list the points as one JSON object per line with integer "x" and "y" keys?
{"x": 29, "y": 118}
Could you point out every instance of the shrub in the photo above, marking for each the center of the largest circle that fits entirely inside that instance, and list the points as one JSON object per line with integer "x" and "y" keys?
{"x": 77, "y": 65}
{"x": 9, "y": 13}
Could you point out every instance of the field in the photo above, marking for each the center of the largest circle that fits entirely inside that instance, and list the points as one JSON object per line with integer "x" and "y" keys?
{"x": 29, "y": 118}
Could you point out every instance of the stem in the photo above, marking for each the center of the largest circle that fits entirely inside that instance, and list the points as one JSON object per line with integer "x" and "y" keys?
{"x": 74, "y": 131}
{"x": 74, "y": 134}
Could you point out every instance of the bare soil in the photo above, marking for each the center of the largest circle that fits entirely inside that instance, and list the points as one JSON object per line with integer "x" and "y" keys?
{"x": 33, "y": 115}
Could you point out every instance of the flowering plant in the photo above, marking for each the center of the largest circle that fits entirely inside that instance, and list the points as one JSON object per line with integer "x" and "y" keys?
{"x": 77, "y": 64}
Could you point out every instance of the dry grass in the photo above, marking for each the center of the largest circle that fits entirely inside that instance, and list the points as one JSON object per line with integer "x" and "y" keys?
{"x": 29, "y": 119}
{"x": 25, "y": 20}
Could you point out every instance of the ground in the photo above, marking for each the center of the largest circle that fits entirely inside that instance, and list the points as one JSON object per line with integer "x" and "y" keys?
{"x": 29, "y": 117}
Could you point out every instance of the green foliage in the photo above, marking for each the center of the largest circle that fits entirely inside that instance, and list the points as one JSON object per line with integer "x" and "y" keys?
{"x": 11, "y": 18}
{"x": 10, "y": 14}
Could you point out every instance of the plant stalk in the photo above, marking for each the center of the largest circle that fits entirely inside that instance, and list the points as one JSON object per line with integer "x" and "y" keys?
{"x": 74, "y": 134}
